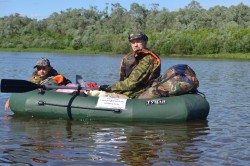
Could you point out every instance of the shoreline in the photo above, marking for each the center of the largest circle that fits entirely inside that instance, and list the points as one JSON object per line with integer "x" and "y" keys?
{"x": 231, "y": 56}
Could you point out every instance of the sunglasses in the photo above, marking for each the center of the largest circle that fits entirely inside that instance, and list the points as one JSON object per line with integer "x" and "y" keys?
{"x": 41, "y": 68}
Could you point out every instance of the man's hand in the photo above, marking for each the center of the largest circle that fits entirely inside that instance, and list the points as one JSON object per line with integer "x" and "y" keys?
{"x": 106, "y": 88}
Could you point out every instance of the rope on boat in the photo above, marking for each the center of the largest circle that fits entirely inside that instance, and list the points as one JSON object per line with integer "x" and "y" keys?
{"x": 42, "y": 103}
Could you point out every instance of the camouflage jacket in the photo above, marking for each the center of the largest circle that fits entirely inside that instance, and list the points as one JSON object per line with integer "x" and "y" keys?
{"x": 138, "y": 71}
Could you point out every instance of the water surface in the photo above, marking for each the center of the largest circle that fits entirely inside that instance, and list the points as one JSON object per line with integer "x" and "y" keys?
{"x": 221, "y": 140}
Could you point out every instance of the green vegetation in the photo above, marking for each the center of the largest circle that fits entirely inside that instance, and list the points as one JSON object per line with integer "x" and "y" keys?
{"x": 69, "y": 50}
{"x": 218, "y": 32}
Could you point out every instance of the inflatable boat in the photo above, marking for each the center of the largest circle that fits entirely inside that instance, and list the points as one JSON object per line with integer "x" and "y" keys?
{"x": 51, "y": 104}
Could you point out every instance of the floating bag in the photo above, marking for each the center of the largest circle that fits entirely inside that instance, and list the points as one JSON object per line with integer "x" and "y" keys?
{"x": 179, "y": 79}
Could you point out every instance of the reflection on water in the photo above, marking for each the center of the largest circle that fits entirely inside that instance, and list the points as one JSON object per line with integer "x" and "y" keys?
{"x": 58, "y": 141}
{"x": 163, "y": 143}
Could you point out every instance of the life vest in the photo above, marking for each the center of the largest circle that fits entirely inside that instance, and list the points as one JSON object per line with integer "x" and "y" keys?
{"x": 130, "y": 61}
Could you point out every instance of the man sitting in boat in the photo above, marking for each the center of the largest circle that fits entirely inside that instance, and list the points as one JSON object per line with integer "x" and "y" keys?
{"x": 45, "y": 74}
{"x": 138, "y": 70}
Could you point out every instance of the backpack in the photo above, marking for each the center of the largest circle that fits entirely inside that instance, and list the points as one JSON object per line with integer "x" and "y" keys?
{"x": 177, "y": 80}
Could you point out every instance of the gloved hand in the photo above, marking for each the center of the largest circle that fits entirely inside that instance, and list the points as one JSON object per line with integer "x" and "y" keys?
{"x": 106, "y": 88}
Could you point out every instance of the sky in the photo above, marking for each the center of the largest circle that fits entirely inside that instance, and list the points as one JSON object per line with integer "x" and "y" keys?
{"x": 40, "y": 9}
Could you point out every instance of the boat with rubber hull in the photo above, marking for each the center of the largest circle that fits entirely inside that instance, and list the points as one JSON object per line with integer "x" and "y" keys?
{"x": 51, "y": 104}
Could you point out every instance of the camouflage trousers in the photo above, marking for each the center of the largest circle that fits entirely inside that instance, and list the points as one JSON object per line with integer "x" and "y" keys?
{"x": 172, "y": 87}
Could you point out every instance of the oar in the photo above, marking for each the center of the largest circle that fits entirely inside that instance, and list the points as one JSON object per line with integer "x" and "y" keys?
{"x": 20, "y": 86}
{"x": 79, "y": 80}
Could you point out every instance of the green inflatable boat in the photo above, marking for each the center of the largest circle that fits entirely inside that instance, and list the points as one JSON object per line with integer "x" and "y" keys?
{"x": 51, "y": 104}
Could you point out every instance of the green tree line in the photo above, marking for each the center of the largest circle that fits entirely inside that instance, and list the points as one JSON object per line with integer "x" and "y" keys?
{"x": 190, "y": 30}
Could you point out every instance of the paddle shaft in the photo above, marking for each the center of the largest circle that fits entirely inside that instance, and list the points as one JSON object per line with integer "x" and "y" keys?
{"x": 20, "y": 86}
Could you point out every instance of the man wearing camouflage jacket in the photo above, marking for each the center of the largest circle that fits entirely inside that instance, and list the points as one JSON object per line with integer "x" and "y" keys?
{"x": 138, "y": 69}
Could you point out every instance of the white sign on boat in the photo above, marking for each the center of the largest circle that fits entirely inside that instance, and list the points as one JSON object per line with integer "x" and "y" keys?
{"x": 109, "y": 102}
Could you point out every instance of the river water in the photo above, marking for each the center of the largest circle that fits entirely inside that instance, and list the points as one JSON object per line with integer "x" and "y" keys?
{"x": 224, "y": 139}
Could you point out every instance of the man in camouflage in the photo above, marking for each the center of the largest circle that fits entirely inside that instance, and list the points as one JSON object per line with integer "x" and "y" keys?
{"x": 44, "y": 74}
{"x": 138, "y": 69}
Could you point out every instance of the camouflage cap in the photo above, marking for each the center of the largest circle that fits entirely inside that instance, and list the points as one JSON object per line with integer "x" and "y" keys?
{"x": 139, "y": 35}
{"x": 42, "y": 62}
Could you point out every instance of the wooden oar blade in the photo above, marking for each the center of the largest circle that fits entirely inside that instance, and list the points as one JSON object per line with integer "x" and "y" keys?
{"x": 17, "y": 86}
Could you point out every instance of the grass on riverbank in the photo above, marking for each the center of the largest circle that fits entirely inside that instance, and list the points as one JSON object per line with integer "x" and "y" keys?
{"x": 240, "y": 56}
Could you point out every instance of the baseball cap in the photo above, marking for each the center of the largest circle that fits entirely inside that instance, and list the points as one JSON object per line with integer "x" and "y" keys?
{"x": 42, "y": 62}
{"x": 138, "y": 35}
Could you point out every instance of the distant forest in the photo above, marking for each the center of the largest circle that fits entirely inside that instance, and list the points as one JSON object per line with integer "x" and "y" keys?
{"x": 191, "y": 30}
